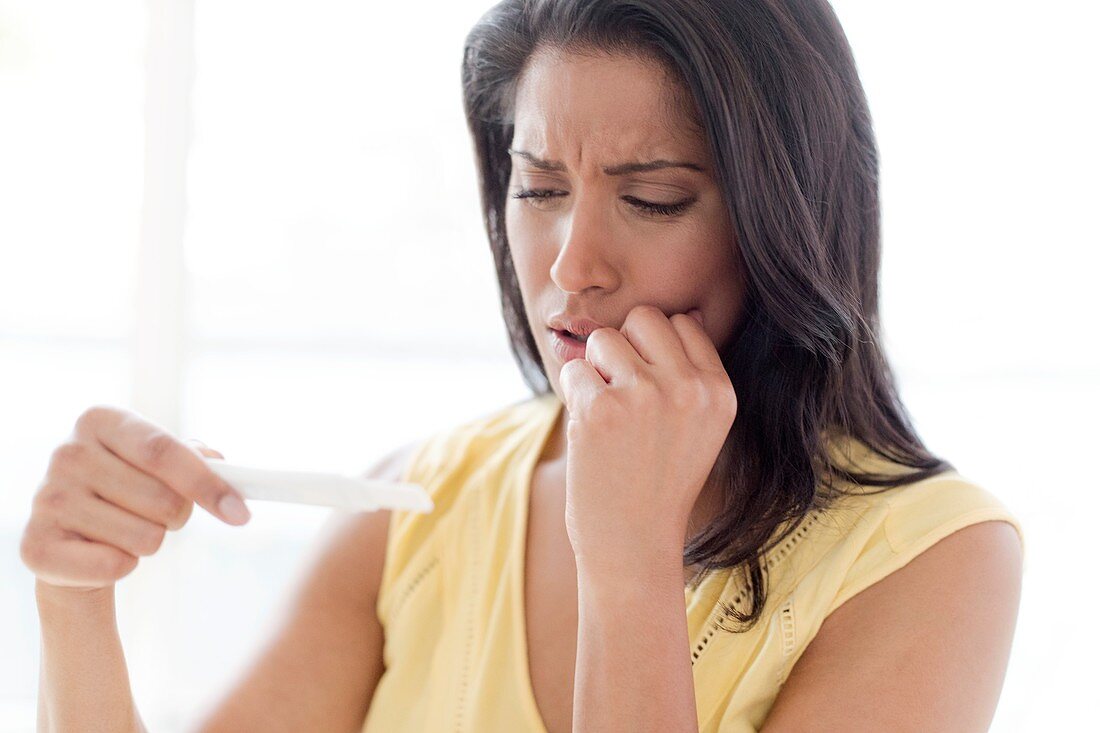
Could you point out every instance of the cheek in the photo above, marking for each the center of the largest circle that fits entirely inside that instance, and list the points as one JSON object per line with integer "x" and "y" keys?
{"x": 712, "y": 273}
{"x": 726, "y": 283}
{"x": 716, "y": 248}
{"x": 527, "y": 251}
{"x": 697, "y": 256}
{"x": 518, "y": 240}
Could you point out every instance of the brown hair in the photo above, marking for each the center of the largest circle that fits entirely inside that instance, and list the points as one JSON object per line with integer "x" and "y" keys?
{"x": 781, "y": 105}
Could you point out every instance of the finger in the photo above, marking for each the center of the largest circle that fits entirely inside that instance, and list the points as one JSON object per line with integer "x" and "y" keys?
{"x": 580, "y": 384}
{"x": 203, "y": 448}
{"x": 613, "y": 357}
{"x": 125, "y": 486}
{"x": 75, "y": 561}
{"x": 696, "y": 343}
{"x": 651, "y": 334}
{"x": 157, "y": 452}
{"x": 100, "y": 521}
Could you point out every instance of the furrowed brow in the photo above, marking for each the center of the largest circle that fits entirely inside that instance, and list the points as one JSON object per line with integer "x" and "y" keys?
{"x": 653, "y": 165}
{"x": 543, "y": 165}
{"x": 614, "y": 170}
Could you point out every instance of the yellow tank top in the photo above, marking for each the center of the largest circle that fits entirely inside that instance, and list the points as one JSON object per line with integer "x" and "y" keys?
{"x": 451, "y": 596}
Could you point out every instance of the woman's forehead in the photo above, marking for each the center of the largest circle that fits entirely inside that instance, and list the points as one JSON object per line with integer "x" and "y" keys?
{"x": 615, "y": 107}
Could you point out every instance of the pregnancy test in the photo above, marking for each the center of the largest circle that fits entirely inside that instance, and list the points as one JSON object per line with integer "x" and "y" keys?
{"x": 322, "y": 489}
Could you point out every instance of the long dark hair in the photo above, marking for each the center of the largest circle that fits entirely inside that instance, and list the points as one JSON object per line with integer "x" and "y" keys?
{"x": 781, "y": 105}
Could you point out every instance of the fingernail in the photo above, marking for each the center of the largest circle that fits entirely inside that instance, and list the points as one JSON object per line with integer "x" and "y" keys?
{"x": 697, "y": 314}
{"x": 233, "y": 509}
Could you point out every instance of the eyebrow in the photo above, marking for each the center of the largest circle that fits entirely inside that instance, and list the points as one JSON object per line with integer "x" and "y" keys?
{"x": 614, "y": 170}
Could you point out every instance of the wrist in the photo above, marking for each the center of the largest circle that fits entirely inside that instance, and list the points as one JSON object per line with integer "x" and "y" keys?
{"x": 628, "y": 570}
{"x": 60, "y": 598}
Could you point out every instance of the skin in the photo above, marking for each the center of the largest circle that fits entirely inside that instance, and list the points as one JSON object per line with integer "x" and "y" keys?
{"x": 585, "y": 246}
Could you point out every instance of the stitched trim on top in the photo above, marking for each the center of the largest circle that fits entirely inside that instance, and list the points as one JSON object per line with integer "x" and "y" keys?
{"x": 787, "y": 631}
{"x": 411, "y": 585}
{"x": 475, "y": 575}
{"x": 786, "y": 626}
{"x": 773, "y": 558}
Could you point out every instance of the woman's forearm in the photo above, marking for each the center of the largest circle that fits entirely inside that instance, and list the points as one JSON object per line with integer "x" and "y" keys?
{"x": 633, "y": 662}
{"x": 84, "y": 684}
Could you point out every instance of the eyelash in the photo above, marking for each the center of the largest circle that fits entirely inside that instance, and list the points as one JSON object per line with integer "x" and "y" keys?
{"x": 647, "y": 206}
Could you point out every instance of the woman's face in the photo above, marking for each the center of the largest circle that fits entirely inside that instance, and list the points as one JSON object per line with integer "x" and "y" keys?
{"x": 598, "y": 230}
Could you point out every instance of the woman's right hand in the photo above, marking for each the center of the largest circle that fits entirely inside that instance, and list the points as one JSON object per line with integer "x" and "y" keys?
{"x": 110, "y": 493}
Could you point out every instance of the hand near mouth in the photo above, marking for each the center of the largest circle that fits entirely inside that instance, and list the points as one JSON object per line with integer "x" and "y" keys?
{"x": 650, "y": 406}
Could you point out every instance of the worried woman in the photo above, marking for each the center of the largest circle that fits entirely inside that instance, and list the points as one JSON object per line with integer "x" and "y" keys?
{"x": 712, "y": 514}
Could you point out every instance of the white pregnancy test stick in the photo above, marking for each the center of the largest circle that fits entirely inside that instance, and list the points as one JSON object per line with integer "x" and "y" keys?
{"x": 322, "y": 489}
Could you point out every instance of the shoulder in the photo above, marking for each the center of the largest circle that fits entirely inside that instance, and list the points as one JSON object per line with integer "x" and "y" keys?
{"x": 353, "y": 544}
{"x": 867, "y": 534}
{"x": 924, "y": 585}
{"x": 925, "y": 648}
{"x": 883, "y": 532}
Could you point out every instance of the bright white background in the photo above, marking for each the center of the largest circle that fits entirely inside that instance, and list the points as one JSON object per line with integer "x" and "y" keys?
{"x": 260, "y": 228}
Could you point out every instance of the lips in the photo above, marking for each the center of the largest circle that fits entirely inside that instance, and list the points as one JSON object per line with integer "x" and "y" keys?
{"x": 567, "y": 347}
{"x": 575, "y": 326}
{"x": 569, "y": 333}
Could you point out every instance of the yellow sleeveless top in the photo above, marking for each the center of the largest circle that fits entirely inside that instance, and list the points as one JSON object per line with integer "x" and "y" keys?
{"x": 451, "y": 596}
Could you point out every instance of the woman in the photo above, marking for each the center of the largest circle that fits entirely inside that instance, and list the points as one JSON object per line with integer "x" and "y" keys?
{"x": 681, "y": 199}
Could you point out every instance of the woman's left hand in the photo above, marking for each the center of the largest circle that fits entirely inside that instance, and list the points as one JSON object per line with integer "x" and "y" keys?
{"x": 650, "y": 407}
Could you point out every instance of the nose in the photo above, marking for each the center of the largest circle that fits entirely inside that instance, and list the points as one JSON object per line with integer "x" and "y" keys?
{"x": 583, "y": 259}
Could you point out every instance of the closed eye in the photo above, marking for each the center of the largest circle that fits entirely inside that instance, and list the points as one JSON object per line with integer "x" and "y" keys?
{"x": 537, "y": 195}
{"x": 663, "y": 209}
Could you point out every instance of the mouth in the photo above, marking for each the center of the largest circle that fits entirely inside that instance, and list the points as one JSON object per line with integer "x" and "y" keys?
{"x": 567, "y": 345}
{"x": 570, "y": 335}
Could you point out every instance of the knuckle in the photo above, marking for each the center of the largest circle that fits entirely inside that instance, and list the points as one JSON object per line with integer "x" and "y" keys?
{"x": 90, "y": 416}
{"x": 731, "y": 397}
{"x": 95, "y": 416}
{"x": 700, "y": 391}
{"x": 157, "y": 446}
{"x": 177, "y": 512}
{"x": 52, "y": 499}
{"x": 680, "y": 318}
{"x": 723, "y": 394}
{"x": 68, "y": 454}
{"x": 573, "y": 363}
{"x": 598, "y": 336}
{"x": 686, "y": 395}
{"x": 119, "y": 565}
{"x": 32, "y": 550}
{"x": 149, "y": 540}
{"x": 646, "y": 385}
{"x": 643, "y": 310}
{"x": 571, "y": 370}
{"x": 185, "y": 513}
